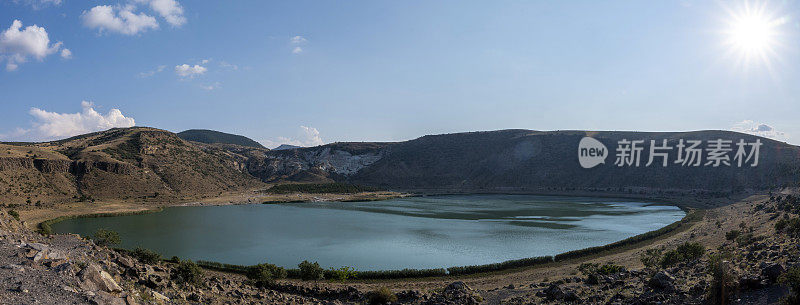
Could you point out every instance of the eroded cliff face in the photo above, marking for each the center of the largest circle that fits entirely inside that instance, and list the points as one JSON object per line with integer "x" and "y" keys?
{"x": 335, "y": 162}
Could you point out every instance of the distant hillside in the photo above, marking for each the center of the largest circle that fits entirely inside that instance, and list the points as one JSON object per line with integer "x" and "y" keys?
{"x": 534, "y": 161}
{"x": 144, "y": 163}
{"x": 286, "y": 146}
{"x": 212, "y": 136}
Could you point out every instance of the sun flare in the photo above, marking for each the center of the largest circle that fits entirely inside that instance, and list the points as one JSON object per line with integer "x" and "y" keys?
{"x": 752, "y": 34}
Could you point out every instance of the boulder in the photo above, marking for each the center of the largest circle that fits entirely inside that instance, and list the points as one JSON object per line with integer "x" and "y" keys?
{"x": 662, "y": 280}
{"x": 93, "y": 278}
{"x": 771, "y": 270}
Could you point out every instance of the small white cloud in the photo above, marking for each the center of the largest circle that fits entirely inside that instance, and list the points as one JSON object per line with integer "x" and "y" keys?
{"x": 227, "y": 66}
{"x": 118, "y": 19}
{"x": 305, "y": 137}
{"x": 52, "y": 125}
{"x": 297, "y": 40}
{"x": 211, "y": 87}
{"x": 186, "y": 70}
{"x": 150, "y": 73}
{"x": 759, "y": 129}
{"x": 170, "y": 10}
{"x": 17, "y": 44}
{"x": 39, "y": 4}
{"x": 66, "y": 53}
{"x": 297, "y": 50}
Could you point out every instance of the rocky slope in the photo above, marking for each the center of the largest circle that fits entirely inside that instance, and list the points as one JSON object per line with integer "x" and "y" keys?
{"x": 134, "y": 163}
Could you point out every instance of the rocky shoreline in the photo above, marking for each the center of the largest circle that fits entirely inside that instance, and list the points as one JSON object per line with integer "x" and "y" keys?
{"x": 68, "y": 269}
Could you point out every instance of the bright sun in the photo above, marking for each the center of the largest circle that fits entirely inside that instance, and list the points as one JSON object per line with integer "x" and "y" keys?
{"x": 752, "y": 34}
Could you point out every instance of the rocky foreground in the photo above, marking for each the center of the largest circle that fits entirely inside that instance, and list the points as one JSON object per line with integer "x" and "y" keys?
{"x": 744, "y": 253}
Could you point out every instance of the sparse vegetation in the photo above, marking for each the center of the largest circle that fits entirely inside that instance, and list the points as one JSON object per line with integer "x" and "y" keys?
{"x": 311, "y": 271}
{"x": 381, "y": 296}
{"x": 651, "y": 258}
{"x": 14, "y": 214}
{"x": 106, "y": 238}
{"x": 263, "y": 275}
{"x": 342, "y": 274}
{"x": 732, "y": 234}
{"x": 686, "y": 252}
{"x": 187, "y": 272}
{"x": 791, "y": 278}
{"x": 146, "y": 256}
{"x": 722, "y": 284}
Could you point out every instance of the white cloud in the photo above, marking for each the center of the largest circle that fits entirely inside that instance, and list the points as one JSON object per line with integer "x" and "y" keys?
{"x": 38, "y": 4}
{"x": 17, "y": 44}
{"x": 305, "y": 137}
{"x": 146, "y": 74}
{"x": 297, "y": 50}
{"x": 297, "y": 40}
{"x": 52, "y": 125}
{"x": 66, "y": 53}
{"x": 759, "y": 129}
{"x": 170, "y": 10}
{"x": 185, "y": 70}
{"x": 118, "y": 19}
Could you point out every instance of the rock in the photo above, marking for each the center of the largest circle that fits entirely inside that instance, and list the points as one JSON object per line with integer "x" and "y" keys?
{"x": 772, "y": 270}
{"x": 750, "y": 282}
{"x": 14, "y": 267}
{"x": 194, "y": 297}
{"x": 130, "y": 300}
{"x": 125, "y": 262}
{"x": 94, "y": 278}
{"x": 662, "y": 280}
{"x": 159, "y": 297}
{"x": 104, "y": 298}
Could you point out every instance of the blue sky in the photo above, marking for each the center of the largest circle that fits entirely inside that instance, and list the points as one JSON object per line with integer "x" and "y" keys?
{"x": 308, "y": 72}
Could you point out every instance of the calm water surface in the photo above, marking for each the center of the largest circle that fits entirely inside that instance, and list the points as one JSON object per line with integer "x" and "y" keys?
{"x": 417, "y": 232}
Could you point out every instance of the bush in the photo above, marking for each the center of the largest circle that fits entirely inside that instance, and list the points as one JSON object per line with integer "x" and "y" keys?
{"x": 265, "y": 274}
{"x": 146, "y": 256}
{"x": 342, "y": 274}
{"x": 789, "y": 226}
{"x": 381, "y": 296}
{"x": 188, "y": 272}
{"x": 594, "y": 269}
{"x": 525, "y": 262}
{"x": 14, "y": 214}
{"x": 651, "y": 257}
{"x": 722, "y": 285}
{"x": 684, "y": 253}
{"x": 791, "y": 278}
{"x": 311, "y": 271}
{"x": 732, "y": 234}
{"x": 105, "y": 237}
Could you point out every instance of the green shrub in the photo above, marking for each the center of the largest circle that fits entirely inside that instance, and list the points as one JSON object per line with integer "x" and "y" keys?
{"x": 723, "y": 284}
{"x": 342, "y": 274}
{"x": 791, "y": 278}
{"x": 381, "y": 296}
{"x": 732, "y": 234}
{"x": 311, "y": 271}
{"x": 265, "y": 274}
{"x": 686, "y": 252}
{"x": 188, "y": 272}
{"x": 789, "y": 226}
{"x": 14, "y": 214}
{"x": 595, "y": 269}
{"x": 146, "y": 256}
{"x": 651, "y": 257}
{"x": 105, "y": 237}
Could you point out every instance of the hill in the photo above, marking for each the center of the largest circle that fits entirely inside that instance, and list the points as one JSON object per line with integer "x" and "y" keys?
{"x": 536, "y": 161}
{"x": 286, "y": 146}
{"x": 130, "y": 163}
{"x": 144, "y": 163}
{"x": 211, "y": 137}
